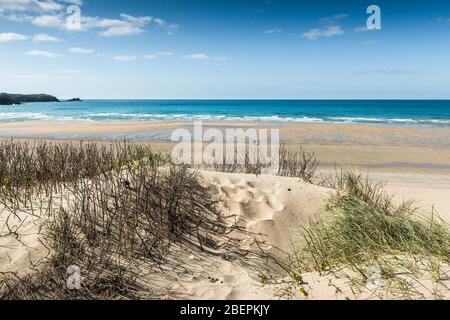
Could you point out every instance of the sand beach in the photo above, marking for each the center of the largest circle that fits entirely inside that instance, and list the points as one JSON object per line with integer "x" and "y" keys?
{"x": 264, "y": 214}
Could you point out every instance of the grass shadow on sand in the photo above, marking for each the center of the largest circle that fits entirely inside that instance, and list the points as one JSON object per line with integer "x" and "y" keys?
{"x": 122, "y": 214}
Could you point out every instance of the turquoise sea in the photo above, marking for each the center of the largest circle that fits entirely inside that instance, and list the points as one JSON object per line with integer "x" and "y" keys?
{"x": 435, "y": 113}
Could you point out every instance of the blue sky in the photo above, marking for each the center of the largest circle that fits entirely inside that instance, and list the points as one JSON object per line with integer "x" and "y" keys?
{"x": 206, "y": 49}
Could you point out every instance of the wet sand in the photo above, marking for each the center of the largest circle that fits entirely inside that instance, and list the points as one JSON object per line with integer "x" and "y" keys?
{"x": 414, "y": 161}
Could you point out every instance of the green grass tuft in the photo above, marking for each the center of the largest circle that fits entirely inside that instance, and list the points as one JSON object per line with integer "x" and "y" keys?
{"x": 364, "y": 227}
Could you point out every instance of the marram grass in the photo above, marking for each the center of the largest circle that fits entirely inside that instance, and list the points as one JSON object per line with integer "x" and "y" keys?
{"x": 357, "y": 231}
{"x": 364, "y": 227}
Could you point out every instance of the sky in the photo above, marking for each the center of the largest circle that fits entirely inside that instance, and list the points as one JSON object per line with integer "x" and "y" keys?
{"x": 225, "y": 49}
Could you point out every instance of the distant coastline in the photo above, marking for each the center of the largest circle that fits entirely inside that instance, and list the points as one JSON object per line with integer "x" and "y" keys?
{"x": 17, "y": 99}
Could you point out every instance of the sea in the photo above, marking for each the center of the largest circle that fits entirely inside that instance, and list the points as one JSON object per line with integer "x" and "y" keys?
{"x": 428, "y": 113}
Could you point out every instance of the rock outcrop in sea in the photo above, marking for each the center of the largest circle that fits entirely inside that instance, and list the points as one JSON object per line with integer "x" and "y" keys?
{"x": 12, "y": 99}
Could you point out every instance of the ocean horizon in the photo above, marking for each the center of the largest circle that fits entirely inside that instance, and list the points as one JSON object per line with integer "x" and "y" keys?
{"x": 429, "y": 113}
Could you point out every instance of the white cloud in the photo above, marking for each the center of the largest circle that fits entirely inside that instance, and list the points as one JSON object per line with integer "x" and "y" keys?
{"x": 443, "y": 20}
{"x": 76, "y": 2}
{"x": 159, "y": 54}
{"x": 109, "y": 27}
{"x": 274, "y": 30}
{"x": 125, "y": 25}
{"x": 205, "y": 58}
{"x": 124, "y": 58}
{"x": 49, "y": 21}
{"x": 165, "y": 53}
{"x": 17, "y": 18}
{"x": 48, "y": 5}
{"x": 51, "y": 14}
{"x": 45, "y": 54}
{"x": 329, "y": 31}
{"x": 160, "y": 23}
{"x": 11, "y": 36}
{"x": 170, "y": 28}
{"x": 27, "y": 5}
{"x": 43, "y": 37}
{"x": 136, "y": 20}
{"x": 333, "y": 18}
{"x": 361, "y": 29}
{"x": 197, "y": 56}
{"x": 121, "y": 31}
{"x": 81, "y": 50}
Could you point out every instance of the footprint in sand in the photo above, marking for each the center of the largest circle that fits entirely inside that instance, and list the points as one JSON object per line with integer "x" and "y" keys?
{"x": 257, "y": 195}
{"x": 275, "y": 203}
{"x": 253, "y": 202}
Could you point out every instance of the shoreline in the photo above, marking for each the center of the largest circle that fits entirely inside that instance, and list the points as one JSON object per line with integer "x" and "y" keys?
{"x": 233, "y": 121}
{"x": 288, "y": 130}
{"x": 414, "y": 162}
{"x": 373, "y": 148}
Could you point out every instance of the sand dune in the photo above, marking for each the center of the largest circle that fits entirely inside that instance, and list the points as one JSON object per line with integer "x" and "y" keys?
{"x": 272, "y": 206}
{"x": 264, "y": 215}
{"x": 21, "y": 249}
